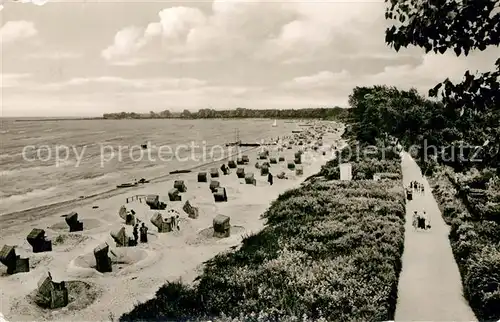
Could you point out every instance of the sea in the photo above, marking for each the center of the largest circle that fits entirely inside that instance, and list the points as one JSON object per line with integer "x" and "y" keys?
{"x": 43, "y": 162}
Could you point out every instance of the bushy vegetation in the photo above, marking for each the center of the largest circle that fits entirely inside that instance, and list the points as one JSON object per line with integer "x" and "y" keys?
{"x": 334, "y": 113}
{"x": 331, "y": 251}
{"x": 432, "y": 131}
{"x": 366, "y": 160}
{"x": 475, "y": 241}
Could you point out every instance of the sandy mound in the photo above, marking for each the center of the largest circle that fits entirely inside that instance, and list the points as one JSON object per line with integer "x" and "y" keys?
{"x": 124, "y": 260}
{"x": 206, "y": 236}
{"x": 80, "y": 295}
{"x": 124, "y": 256}
{"x": 88, "y": 224}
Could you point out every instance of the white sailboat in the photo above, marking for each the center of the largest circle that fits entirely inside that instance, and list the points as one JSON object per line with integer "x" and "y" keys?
{"x": 275, "y": 123}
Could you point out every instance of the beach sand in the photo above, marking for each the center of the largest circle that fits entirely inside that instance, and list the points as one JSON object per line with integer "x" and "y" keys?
{"x": 139, "y": 271}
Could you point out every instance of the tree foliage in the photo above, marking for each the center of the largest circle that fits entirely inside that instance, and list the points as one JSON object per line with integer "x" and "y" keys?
{"x": 461, "y": 26}
{"x": 458, "y": 25}
{"x": 419, "y": 122}
{"x": 337, "y": 113}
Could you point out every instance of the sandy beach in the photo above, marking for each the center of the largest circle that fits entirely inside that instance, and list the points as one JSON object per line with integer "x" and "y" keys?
{"x": 139, "y": 271}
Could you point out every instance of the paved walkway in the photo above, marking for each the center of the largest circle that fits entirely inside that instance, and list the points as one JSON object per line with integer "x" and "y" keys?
{"x": 429, "y": 287}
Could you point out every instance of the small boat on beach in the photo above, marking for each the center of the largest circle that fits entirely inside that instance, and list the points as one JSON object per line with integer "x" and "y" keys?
{"x": 249, "y": 144}
{"x": 132, "y": 184}
{"x": 179, "y": 171}
{"x": 127, "y": 185}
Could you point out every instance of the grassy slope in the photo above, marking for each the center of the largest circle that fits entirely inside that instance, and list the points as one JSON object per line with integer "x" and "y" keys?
{"x": 331, "y": 250}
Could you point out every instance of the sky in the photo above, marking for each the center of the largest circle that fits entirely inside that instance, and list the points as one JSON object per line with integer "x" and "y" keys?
{"x": 86, "y": 58}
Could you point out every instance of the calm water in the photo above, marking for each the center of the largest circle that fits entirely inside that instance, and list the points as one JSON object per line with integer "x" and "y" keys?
{"x": 36, "y": 177}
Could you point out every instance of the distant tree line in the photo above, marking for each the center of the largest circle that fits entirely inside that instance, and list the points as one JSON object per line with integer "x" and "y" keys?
{"x": 336, "y": 113}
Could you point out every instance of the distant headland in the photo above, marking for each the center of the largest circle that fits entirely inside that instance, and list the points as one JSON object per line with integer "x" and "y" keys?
{"x": 305, "y": 113}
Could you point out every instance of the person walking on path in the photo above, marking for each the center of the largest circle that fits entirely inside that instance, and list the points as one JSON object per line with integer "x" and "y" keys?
{"x": 144, "y": 233}
{"x": 270, "y": 178}
{"x": 415, "y": 220}
{"x": 427, "y": 220}
{"x": 177, "y": 221}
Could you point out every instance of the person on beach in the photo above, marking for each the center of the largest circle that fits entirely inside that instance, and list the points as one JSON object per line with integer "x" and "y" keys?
{"x": 144, "y": 233}
{"x": 172, "y": 222}
{"x": 270, "y": 178}
{"x": 136, "y": 233}
{"x": 128, "y": 218}
{"x": 177, "y": 222}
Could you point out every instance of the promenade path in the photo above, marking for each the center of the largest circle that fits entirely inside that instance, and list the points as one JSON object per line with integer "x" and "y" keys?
{"x": 429, "y": 287}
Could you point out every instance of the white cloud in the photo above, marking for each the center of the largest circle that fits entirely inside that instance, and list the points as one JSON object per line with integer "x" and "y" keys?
{"x": 36, "y": 2}
{"x": 126, "y": 42}
{"x": 17, "y": 30}
{"x": 287, "y": 32}
{"x": 432, "y": 70}
{"x": 323, "y": 79}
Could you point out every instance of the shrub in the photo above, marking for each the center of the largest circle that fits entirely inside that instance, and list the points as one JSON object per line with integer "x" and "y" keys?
{"x": 475, "y": 241}
{"x": 482, "y": 282}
